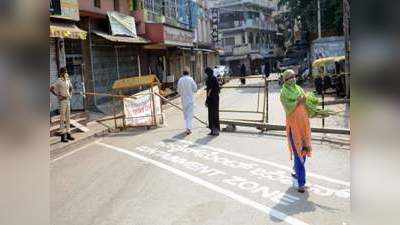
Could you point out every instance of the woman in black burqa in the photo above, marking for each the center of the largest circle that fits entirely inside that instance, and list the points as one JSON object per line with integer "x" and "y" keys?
{"x": 243, "y": 74}
{"x": 212, "y": 102}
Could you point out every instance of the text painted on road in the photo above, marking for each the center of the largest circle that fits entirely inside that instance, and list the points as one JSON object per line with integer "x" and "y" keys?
{"x": 228, "y": 193}
{"x": 239, "y": 182}
{"x": 169, "y": 150}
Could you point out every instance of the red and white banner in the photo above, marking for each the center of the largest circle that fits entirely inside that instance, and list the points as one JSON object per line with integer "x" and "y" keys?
{"x": 138, "y": 112}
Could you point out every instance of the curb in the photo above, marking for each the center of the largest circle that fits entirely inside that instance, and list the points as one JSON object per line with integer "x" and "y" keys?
{"x": 59, "y": 151}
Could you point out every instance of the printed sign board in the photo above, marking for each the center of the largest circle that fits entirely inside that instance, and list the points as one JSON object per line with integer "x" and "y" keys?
{"x": 67, "y": 9}
{"x": 122, "y": 24}
{"x": 214, "y": 25}
{"x": 138, "y": 112}
{"x": 178, "y": 36}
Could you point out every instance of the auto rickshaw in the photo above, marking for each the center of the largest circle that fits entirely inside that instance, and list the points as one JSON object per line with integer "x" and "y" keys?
{"x": 329, "y": 73}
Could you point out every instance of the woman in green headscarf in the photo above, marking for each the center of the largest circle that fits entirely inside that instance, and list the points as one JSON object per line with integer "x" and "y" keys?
{"x": 299, "y": 107}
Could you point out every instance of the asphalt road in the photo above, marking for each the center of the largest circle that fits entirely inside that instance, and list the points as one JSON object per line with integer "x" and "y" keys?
{"x": 161, "y": 177}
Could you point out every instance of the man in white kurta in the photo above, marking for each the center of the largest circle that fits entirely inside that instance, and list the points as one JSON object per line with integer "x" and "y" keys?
{"x": 186, "y": 89}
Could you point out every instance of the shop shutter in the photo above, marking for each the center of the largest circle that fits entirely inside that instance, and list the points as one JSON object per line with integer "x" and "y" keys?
{"x": 53, "y": 72}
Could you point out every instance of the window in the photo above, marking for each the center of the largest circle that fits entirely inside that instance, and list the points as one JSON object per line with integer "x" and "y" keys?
{"x": 250, "y": 38}
{"x": 55, "y": 7}
{"x": 171, "y": 9}
{"x": 116, "y": 5}
{"x": 97, "y": 3}
{"x": 230, "y": 41}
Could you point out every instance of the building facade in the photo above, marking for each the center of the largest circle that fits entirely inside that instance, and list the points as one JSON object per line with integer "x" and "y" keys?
{"x": 247, "y": 33}
{"x": 178, "y": 31}
{"x": 159, "y": 37}
{"x": 112, "y": 50}
{"x": 65, "y": 49}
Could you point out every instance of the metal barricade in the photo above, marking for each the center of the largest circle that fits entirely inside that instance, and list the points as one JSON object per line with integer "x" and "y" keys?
{"x": 264, "y": 124}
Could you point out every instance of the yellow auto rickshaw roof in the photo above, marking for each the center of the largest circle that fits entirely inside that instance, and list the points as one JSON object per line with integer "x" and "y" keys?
{"x": 323, "y": 61}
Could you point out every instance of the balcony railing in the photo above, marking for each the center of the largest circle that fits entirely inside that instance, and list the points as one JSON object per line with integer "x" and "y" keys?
{"x": 228, "y": 49}
{"x": 245, "y": 49}
{"x": 263, "y": 3}
{"x": 242, "y": 49}
{"x": 250, "y": 23}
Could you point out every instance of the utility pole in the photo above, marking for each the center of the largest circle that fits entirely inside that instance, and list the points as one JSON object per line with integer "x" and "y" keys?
{"x": 346, "y": 31}
{"x": 319, "y": 19}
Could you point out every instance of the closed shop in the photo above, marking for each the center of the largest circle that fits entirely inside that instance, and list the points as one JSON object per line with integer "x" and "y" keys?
{"x": 199, "y": 74}
{"x": 175, "y": 64}
{"x": 111, "y": 62}
{"x": 53, "y": 72}
{"x": 73, "y": 59}
{"x": 65, "y": 51}
{"x": 104, "y": 68}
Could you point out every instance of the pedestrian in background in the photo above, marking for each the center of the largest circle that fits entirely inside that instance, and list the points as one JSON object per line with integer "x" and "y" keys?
{"x": 186, "y": 89}
{"x": 262, "y": 69}
{"x": 62, "y": 88}
{"x": 299, "y": 107}
{"x": 212, "y": 102}
{"x": 267, "y": 69}
{"x": 243, "y": 74}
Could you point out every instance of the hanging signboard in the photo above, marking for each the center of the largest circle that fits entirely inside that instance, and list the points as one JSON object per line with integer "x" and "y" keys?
{"x": 214, "y": 25}
{"x": 66, "y": 9}
{"x": 139, "y": 111}
{"x": 122, "y": 24}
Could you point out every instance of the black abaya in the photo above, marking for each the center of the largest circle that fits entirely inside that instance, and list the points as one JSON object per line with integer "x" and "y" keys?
{"x": 213, "y": 103}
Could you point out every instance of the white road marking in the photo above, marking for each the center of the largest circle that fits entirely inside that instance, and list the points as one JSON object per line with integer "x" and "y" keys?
{"x": 75, "y": 151}
{"x": 321, "y": 177}
{"x": 272, "y": 212}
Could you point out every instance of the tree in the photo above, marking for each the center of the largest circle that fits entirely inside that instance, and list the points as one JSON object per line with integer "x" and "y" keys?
{"x": 306, "y": 12}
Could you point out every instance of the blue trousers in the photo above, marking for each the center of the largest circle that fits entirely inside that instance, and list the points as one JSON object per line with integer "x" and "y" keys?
{"x": 298, "y": 164}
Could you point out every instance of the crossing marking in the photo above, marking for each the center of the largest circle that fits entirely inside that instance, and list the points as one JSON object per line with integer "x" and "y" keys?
{"x": 270, "y": 211}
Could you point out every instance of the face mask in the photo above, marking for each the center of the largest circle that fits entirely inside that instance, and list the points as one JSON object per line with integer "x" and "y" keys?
{"x": 291, "y": 81}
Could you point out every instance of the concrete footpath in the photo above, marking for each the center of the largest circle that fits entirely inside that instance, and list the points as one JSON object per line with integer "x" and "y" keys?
{"x": 58, "y": 148}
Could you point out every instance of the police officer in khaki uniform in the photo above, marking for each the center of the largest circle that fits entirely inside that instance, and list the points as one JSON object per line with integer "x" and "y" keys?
{"x": 62, "y": 88}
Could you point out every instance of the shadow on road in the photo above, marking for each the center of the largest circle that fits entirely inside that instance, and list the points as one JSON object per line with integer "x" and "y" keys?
{"x": 303, "y": 205}
{"x": 181, "y": 135}
{"x": 205, "y": 140}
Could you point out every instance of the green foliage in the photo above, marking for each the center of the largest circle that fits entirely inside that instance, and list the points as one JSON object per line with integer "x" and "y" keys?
{"x": 306, "y": 12}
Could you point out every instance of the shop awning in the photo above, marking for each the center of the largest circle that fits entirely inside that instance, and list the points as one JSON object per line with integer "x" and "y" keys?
{"x": 174, "y": 43}
{"x": 123, "y": 39}
{"x": 206, "y": 50}
{"x": 156, "y": 46}
{"x": 197, "y": 49}
{"x": 256, "y": 56}
{"x": 65, "y": 30}
{"x": 231, "y": 58}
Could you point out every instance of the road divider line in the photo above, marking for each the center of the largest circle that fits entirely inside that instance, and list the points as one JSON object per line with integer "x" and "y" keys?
{"x": 270, "y": 211}
{"x": 321, "y": 177}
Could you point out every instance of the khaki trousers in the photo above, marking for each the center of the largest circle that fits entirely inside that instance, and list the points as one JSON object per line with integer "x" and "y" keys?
{"x": 65, "y": 112}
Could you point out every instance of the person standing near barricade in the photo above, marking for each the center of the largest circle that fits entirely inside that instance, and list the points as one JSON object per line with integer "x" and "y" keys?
{"x": 243, "y": 74}
{"x": 62, "y": 88}
{"x": 186, "y": 89}
{"x": 212, "y": 102}
{"x": 299, "y": 107}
